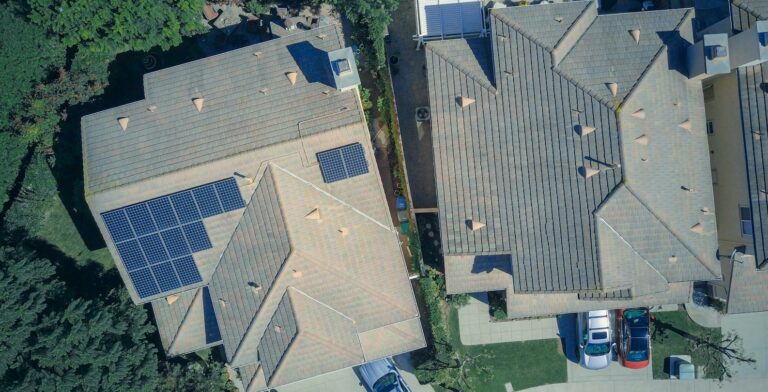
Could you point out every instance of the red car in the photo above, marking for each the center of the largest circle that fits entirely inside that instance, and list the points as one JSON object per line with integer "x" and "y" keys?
{"x": 634, "y": 339}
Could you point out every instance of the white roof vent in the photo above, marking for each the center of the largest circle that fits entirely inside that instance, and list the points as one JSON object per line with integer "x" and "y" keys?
{"x": 123, "y": 122}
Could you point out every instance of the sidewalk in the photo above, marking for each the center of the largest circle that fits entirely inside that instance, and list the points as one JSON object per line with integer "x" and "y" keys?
{"x": 655, "y": 386}
{"x": 476, "y": 327}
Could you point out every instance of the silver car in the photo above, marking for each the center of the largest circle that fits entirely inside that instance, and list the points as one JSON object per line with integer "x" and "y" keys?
{"x": 596, "y": 339}
{"x": 382, "y": 376}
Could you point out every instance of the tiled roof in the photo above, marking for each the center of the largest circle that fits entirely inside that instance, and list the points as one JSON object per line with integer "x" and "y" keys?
{"x": 514, "y": 158}
{"x": 347, "y": 265}
{"x": 758, "y": 8}
{"x": 249, "y": 103}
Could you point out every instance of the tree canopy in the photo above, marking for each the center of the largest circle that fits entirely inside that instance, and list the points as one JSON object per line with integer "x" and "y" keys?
{"x": 50, "y": 340}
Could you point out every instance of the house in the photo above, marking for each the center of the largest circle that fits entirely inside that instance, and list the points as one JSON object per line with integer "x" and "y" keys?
{"x": 572, "y": 159}
{"x": 737, "y": 132}
{"x": 241, "y": 199}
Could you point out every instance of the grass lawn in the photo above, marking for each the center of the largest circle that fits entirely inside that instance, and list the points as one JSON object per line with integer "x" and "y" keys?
{"x": 524, "y": 364}
{"x": 674, "y": 343}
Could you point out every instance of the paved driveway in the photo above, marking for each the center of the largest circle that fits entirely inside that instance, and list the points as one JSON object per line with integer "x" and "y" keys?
{"x": 410, "y": 84}
{"x": 476, "y": 327}
{"x": 752, "y": 328}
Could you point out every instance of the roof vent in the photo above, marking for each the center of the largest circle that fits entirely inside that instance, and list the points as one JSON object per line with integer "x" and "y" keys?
{"x": 642, "y": 140}
{"x": 685, "y": 125}
{"x": 502, "y": 36}
{"x": 222, "y": 302}
{"x": 705, "y": 210}
{"x": 756, "y": 135}
{"x": 673, "y": 259}
{"x": 559, "y": 19}
{"x": 123, "y": 121}
{"x": 297, "y": 274}
{"x": 587, "y": 172}
{"x": 171, "y": 299}
{"x": 255, "y": 287}
{"x": 257, "y": 54}
{"x": 292, "y": 75}
{"x": 643, "y": 159}
{"x": 322, "y": 36}
{"x": 313, "y": 215}
{"x": 698, "y": 228}
{"x": 152, "y": 108}
{"x": 344, "y": 231}
{"x": 199, "y": 103}
{"x": 278, "y": 328}
{"x": 640, "y": 113}
{"x": 716, "y": 52}
{"x": 475, "y": 225}
{"x": 509, "y": 72}
{"x": 464, "y": 101}
{"x": 687, "y": 189}
{"x": 635, "y": 35}
{"x": 264, "y": 91}
{"x": 584, "y": 130}
{"x": 613, "y": 88}
{"x": 575, "y": 112}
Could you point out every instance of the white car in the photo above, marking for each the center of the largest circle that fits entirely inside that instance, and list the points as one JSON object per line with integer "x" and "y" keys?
{"x": 596, "y": 339}
{"x": 382, "y": 376}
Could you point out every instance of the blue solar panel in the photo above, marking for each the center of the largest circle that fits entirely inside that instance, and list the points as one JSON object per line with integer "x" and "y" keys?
{"x": 175, "y": 243}
{"x": 153, "y": 248}
{"x": 229, "y": 195}
{"x": 163, "y": 213}
{"x": 141, "y": 220}
{"x": 166, "y": 276}
{"x": 354, "y": 159}
{"x": 131, "y": 255}
{"x": 207, "y": 201}
{"x": 185, "y": 207}
{"x": 117, "y": 224}
{"x": 196, "y": 236}
{"x": 343, "y": 162}
{"x": 149, "y": 234}
{"x": 331, "y": 165}
{"x": 144, "y": 282}
{"x": 187, "y": 270}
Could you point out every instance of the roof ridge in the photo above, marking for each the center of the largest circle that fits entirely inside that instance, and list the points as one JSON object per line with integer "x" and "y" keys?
{"x": 632, "y": 248}
{"x": 289, "y": 289}
{"x": 197, "y": 297}
{"x": 581, "y": 14}
{"x": 483, "y": 83}
{"x": 655, "y": 59}
{"x": 663, "y": 223}
{"x": 341, "y": 273}
{"x": 325, "y": 193}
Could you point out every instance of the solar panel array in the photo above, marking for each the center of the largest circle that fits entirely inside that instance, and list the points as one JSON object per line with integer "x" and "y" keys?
{"x": 342, "y": 163}
{"x": 156, "y": 238}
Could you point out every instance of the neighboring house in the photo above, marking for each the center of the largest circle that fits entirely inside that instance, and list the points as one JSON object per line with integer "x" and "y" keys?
{"x": 737, "y": 115}
{"x": 571, "y": 159}
{"x": 241, "y": 198}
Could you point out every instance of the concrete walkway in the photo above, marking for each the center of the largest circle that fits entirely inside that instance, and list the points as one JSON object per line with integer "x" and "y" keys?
{"x": 476, "y": 327}
{"x": 704, "y": 316}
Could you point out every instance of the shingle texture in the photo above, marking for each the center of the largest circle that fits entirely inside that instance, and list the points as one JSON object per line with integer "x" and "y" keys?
{"x": 747, "y": 289}
{"x": 239, "y": 281}
{"x": 236, "y": 116}
{"x": 258, "y": 128}
{"x": 515, "y": 158}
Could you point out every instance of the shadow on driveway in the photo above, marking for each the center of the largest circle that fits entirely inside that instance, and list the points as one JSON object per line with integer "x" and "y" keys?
{"x": 567, "y": 327}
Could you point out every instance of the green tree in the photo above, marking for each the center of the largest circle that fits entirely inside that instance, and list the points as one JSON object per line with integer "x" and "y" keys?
{"x": 27, "y": 56}
{"x": 198, "y": 375}
{"x": 51, "y": 340}
{"x": 113, "y": 26}
{"x": 372, "y": 15}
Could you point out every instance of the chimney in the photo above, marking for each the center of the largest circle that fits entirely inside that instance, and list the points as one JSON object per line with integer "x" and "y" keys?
{"x": 749, "y": 47}
{"x": 709, "y": 57}
{"x": 343, "y": 69}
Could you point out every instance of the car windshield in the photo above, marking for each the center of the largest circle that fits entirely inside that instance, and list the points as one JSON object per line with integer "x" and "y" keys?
{"x": 638, "y": 350}
{"x": 386, "y": 383}
{"x": 597, "y": 349}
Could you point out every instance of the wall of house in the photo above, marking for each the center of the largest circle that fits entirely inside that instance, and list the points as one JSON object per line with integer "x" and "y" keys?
{"x": 727, "y": 160}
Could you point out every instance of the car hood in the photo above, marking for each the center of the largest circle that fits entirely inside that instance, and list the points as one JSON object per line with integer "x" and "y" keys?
{"x": 373, "y": 371}
{"x": 596, "y": 362}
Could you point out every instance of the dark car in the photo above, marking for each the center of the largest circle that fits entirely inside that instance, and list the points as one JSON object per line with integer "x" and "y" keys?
{"x": 634, "y": 339}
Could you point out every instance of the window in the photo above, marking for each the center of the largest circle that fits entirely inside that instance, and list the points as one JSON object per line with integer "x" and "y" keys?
{"x": 746, "y": 220}
{"x": 710, "y": 127}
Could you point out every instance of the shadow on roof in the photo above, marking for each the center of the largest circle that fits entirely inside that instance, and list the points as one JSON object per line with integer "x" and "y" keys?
{"x": 313, "y": 62}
